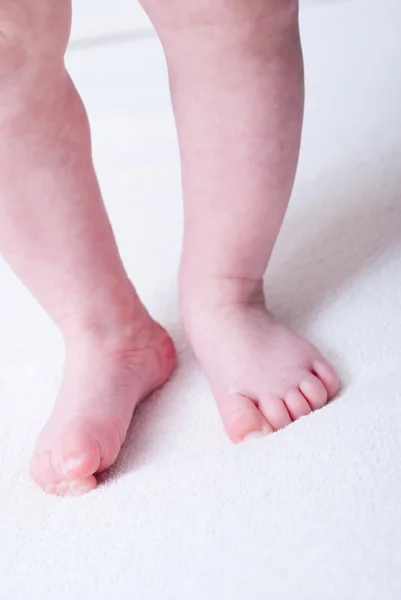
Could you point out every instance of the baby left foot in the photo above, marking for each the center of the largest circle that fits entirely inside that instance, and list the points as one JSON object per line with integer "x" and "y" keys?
{"x": 263, "y": 376}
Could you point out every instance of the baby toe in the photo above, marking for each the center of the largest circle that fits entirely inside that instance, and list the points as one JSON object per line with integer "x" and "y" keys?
{"x": 78, "y": 454}
{"x": 314, "y": 391}
{"x": 275, "y": 412}
{"x": 42, "y": 469}
{"x": 72, "y": 488}
{"x": 45, "y": 474}
{"x": 327, "y": 376}
{"x": 296, "y": 404}
{"x": 241, "y": 417}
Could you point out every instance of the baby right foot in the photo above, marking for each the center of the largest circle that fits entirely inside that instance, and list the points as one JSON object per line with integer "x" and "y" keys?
{"x": 104, "y": 380}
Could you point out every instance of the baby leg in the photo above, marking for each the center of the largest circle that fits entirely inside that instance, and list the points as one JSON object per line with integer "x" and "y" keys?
{"x": 236, "y": 76}
{"x": 55, "y": 234}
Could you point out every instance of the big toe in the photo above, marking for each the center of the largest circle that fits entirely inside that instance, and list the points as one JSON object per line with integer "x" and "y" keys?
{"x": 86, "y": 446}
{"x": 241, "y": 417}
{"x": 77, "y": 455}
{"x": 45, "y": 474}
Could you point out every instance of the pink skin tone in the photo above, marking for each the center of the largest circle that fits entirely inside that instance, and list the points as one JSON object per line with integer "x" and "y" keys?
{"x": 237, "y": 86}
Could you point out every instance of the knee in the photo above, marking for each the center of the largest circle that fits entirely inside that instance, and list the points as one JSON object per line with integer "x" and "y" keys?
{"x": 181, "y": 14}
{"x": 33, "y": 37}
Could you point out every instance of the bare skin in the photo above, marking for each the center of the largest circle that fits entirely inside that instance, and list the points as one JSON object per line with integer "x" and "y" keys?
{"x": 237, "y": 86}
{"x": 55, "y": 234}
{"x": 266, "y": 376}
{"x": 103, "y": 383}
{"x": 236, "y": 78}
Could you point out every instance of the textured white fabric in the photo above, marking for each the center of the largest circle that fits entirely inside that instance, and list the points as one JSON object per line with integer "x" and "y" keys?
{"x": 310, "y": 513}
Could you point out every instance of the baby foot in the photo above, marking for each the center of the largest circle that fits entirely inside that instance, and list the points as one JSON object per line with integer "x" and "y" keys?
{"x": 263, "y": 376}
{"x": 103, "y": 383}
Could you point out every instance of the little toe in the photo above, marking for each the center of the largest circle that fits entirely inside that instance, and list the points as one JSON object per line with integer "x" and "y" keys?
{"x": 314, "y": 391}
{"x": 275, "y": 412}
{"x": 296, "y": 404}
{"x": 328, "y": 376}
{"x": 241, "y": 417}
